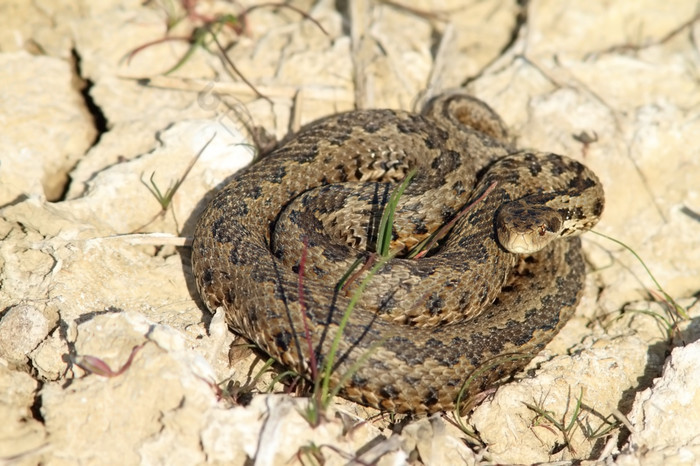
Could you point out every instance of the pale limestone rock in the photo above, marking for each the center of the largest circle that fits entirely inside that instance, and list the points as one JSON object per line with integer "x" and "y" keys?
{"x": 666, "y": 414}
{"x": 22, "y": 328}
{"x": 515, "y": 432}
{"x": 20, "y": 433}
{"x": 274, "y": 429}
{"x": 128, "y": 417}
{"x": 222, "y": 151}
{"x": 48, "y": 359}
{"x": 39, "y": 27}
{"x": 437, "y": 442}
{"x": 46, "y": 127}
{"x": 671, "y": 455}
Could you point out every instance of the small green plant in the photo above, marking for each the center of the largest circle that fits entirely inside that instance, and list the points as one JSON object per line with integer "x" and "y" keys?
{"x": 463, "y": 405}
{"x": 206, "y": 28}
{"x": 674, "y": 311}
{"x": 567, "y": 426}
{"x": 323, "y": 394}
{"x": 238, "y": 393}
{"x": 607, "y": 425}
{"x": 311, "y": 454}
{"x": 165, "y": 198}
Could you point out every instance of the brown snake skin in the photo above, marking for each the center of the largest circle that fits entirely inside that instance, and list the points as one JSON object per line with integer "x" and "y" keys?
{"x": 470, "y": 309}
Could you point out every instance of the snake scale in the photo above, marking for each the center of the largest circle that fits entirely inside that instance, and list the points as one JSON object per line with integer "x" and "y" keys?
{"x": 274, "y": 243}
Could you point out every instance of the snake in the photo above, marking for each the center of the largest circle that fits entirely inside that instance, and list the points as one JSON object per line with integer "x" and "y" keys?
{"x": 502, "y": 273}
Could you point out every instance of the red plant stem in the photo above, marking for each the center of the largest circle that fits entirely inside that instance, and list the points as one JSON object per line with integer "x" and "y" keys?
{"x": 445, "y": 228}
{"x": 366, "y": 266}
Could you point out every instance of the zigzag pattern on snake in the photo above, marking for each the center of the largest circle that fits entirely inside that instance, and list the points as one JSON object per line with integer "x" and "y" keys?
{"x": 503, "y": 282}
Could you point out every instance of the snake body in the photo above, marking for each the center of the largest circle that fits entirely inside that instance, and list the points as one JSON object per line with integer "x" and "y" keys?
{"x": 274, "y": 243}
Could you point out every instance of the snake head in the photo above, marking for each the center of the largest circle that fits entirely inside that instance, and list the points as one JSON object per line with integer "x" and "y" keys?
{"x": 525, "y": 229}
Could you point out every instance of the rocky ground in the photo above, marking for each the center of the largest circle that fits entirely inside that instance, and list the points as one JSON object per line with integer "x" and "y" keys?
{"x": 614, "y": 84}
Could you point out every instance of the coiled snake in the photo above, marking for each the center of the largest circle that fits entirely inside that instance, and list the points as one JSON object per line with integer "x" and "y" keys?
{"x": 478, "y": 306}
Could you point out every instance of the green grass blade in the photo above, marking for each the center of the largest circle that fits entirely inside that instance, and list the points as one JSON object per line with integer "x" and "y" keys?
{"x": 355, "y": 367}
{"x": 387, "y": 221}
{"x": 668, "y": 297}
{"x": 328, "y": 366}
